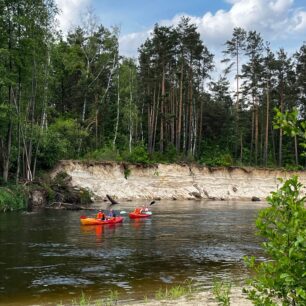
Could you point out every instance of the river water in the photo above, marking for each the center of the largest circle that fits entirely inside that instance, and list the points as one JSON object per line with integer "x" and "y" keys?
{"x": 47, "y": 257}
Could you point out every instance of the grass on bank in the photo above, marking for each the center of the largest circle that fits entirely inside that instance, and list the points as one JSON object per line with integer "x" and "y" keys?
{"x": 173, "y": 293}
{"x": 176, "y": 292}
{"x": 222, "y": 291}
{"x": 110, "y": 300}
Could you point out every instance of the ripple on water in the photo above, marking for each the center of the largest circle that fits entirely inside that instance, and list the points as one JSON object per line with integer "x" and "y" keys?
{"x": 60, "y": 280}
{"x": 124, "y": 285}
{"x": 118, "y": 253}
{"x": 222, "y": 253}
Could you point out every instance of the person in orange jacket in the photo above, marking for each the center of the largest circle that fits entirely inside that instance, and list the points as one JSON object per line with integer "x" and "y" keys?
{"x": 100, "y": 215}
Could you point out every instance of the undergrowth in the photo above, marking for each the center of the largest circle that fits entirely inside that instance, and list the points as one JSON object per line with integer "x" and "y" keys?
{"x": 12, "y": 198}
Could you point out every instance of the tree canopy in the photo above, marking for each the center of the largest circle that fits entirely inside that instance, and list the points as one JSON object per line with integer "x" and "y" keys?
{"x": 75, "y": 96}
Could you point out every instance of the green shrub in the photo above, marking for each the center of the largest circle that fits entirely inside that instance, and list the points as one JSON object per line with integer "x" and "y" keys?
{"x": 12, "y": 198}
{"x": 293, "y": 167}
{"x": 106, "y": 153}
{"x": 219, "y": 160}
{"x": 139, "y": 155}
{"x": 61, "y": 178}
{"x": 127, "y": 172}
{"x": 283, "y": 226}
{"x": 85, "y": 196}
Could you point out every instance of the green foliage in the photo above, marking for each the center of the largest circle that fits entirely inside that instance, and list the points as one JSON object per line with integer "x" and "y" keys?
{"x": 110, "y": 300}
{"x": 49, "y": 191}
{"x": 60, "y": 141}
{"x": 215, "y": 156}
{"x": 175, "y": 292}
{"x": 12, "y": 197}
{"x": 283, "y": 226}
{"x": 291, "y": 126}
{"x": 290, "y": 167}
{"x": 139, "y": 155}
{"x": 107, "y": 153}
{"x": 85, "y": 196}
{"x": 169, "y": 156}
{"x": 221, "y": 291}
{"x": 82, "y": 301}
{"x": 61, "y": 178}
{"x": 127, "y": 172}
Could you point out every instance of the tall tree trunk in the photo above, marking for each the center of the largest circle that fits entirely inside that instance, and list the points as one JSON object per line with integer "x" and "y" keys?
{"x": 118, "y": 110}
{"x": 267, "y": 126}
{"x": 172, "y": 111}
{"x": 43, "y": 124}
{"x": 130, "y": 112}
{"x": 86, "y": 90}
{"x": 190, "y": 129}
{"x": 151, "y": 117}
{"x": 7, "y": 154}
{"x": 163, "y": 94}
{"x": 179, "y": 124}
{"x": 252, "y": 131}
{"x": 272, "y": 131}
{"x": 6, "y": 147}
{"x": 256, "y": 131}
{"x": 280, "y": 149}
{"x": 97, "y": 121}
{"x": 156, "y": 117}
{"x": 238, "y": 134}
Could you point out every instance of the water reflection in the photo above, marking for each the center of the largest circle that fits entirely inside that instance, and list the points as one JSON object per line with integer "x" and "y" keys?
{"x": 49, "y": 256}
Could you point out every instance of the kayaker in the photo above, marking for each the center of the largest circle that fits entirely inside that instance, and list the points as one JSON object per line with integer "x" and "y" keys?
{"x": 100, "y": 215}
{"x": 144, "y": 209}
{"x": 112, "y": 214}
{"x": 137, "y": 210}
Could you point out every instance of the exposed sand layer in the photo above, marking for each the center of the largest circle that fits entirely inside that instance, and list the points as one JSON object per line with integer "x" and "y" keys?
{"x": 174, "y": 181}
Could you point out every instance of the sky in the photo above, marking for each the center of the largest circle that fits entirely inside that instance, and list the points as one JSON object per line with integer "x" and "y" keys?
{"x": 281, "y": 22}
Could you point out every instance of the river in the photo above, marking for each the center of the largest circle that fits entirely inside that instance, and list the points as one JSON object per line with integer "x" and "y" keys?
{"x": 47, "y": 257}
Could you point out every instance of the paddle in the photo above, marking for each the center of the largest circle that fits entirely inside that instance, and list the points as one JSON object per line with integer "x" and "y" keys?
{"x": 113, "y": 202}
{"x": 153, "y": 202}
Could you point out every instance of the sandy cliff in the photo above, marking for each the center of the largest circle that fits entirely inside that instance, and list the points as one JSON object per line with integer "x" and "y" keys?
{"x": 173, "y": 181}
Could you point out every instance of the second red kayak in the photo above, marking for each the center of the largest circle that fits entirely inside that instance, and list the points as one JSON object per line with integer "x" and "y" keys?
{"x": 134, "y": 215}
{"x": 93, "y": 221}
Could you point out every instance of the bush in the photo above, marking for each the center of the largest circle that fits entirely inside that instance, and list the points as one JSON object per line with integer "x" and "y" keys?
{"x": 12, "y": 198}
{"x": 283, "y": 226}
{"x": 221, "y": 160}
{"x": 139, "y": 155}
{"x": 104, "y": 154}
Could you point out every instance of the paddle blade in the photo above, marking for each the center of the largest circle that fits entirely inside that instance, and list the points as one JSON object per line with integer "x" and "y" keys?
{"x": 113, "y": 202}
{"x": 123, "y": 212}
{"x": 153, "y": 202}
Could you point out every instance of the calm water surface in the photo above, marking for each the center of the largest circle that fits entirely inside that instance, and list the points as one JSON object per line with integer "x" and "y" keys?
{"x": 48, "y": 257}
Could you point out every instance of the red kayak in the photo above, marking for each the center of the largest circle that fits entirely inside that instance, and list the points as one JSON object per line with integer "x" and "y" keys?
{"x": 136, "y": 215}
{"x": 93, "y": 221}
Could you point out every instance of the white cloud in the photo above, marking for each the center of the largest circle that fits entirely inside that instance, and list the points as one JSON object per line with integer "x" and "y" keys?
{"x": 274, "y": 19}
{"x": 277, "y": 20}
{"x": 129, "y": 43}
{"x": 70, "y": 11}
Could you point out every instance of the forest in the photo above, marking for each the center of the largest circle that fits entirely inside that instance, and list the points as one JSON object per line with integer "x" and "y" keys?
{"x": 75, "y": 96}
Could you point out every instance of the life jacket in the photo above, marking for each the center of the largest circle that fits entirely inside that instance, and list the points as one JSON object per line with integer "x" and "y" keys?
{"x": 137, "y": 210}
{"x": 100, "y": 215}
